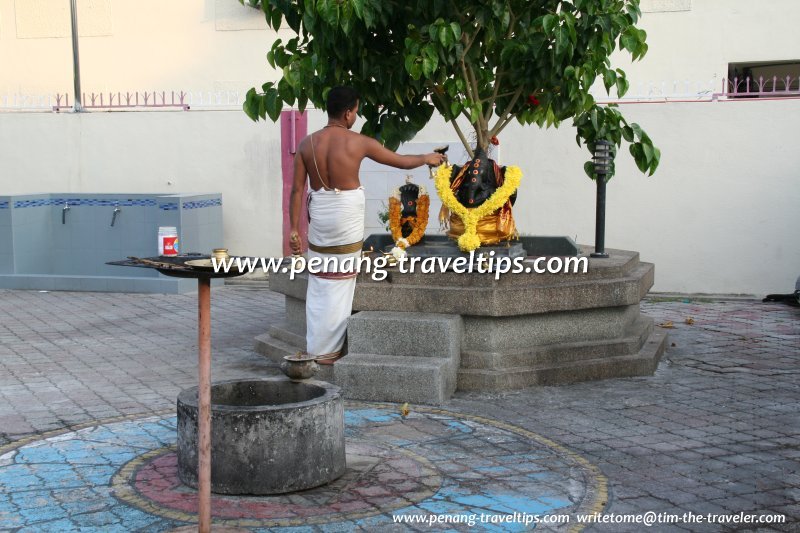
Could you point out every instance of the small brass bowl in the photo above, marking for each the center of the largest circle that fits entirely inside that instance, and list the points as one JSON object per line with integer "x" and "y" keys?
{"x": 220, "y": 253}
{"x": 299, "y": 367}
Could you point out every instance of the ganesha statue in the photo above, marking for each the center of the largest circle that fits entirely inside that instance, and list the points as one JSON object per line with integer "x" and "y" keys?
{"x": 477, "y": 199}
{"x": 408, "y": 213}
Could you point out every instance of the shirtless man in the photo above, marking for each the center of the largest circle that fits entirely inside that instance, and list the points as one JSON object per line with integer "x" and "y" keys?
{"x": 339, "y": 153}
{"x": 331, "y": 158}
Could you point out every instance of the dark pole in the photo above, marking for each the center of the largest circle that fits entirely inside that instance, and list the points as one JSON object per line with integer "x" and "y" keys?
{"x": 75, "y": 63}
{"x": 600, "y": 218}
{"x": 603, "y": 157}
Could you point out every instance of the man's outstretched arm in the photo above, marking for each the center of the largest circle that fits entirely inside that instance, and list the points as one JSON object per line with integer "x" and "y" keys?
{"x": 375, "y": 151}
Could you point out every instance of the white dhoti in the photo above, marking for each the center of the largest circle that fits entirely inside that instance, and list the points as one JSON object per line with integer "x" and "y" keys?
{"x": 335, "y": 232}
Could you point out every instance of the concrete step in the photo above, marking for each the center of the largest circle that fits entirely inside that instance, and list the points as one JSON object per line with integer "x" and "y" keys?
{"x": 295, "y": 314}
{"x": 283, "y": 333}
{"x": 642, "y": 363}
{"x": 388, "y": 378}
{"x": 405, "y": 334}
{"x": 272, "y": 348}
{"x": 553, "y": 354}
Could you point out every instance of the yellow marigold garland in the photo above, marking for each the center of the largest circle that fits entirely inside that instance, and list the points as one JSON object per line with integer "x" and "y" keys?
{"x": 469, "y": 240}
{"x": 418, "y": 223}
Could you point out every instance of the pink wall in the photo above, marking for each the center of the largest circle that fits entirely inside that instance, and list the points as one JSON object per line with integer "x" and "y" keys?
{"x": 297, "y": 123}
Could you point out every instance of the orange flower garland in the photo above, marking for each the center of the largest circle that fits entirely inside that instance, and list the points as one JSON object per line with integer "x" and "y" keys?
{"x": 418, "y": 223}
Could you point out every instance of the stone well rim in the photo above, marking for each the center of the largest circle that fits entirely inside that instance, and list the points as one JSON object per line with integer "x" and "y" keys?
{"x": 188, "y": 397}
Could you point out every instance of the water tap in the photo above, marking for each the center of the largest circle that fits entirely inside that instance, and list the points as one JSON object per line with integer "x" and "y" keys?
{"x": 117, "y": 211}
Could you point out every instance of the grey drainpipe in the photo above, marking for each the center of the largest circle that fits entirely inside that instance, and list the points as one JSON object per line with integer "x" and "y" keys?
{"x": 78, "y": 107}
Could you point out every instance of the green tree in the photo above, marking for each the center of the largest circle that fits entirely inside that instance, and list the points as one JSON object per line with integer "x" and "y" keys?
{"x": 485, "y": 62}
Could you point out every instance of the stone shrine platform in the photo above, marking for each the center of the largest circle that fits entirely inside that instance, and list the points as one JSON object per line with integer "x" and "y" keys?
{"x": 419, "y": 337}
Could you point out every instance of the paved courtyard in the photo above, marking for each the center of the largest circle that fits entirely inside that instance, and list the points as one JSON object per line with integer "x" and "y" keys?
{"x": 88, "y": 383}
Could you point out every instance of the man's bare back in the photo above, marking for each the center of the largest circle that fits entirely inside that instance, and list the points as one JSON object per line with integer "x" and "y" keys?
{"x": 338, "y": 152}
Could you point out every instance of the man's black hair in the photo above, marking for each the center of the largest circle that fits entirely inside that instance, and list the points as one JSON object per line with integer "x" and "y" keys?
{"x": 340, "y": 99}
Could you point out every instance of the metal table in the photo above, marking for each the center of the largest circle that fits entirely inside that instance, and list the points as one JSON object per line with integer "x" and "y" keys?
{"x": 174, "y": 266}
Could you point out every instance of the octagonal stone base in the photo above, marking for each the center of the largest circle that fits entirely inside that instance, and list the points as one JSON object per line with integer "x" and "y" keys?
{"x": 482, "y": 333}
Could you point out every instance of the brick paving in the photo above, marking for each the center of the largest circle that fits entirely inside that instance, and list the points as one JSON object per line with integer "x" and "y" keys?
{"x": 716, "y": 430}
{"x": 67, "y": 358}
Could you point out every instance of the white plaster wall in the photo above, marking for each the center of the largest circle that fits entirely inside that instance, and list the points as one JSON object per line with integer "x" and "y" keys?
{"x": 191, "y": 45}
{"x": 697, "y": 44}
{"x": 192, "y": 152}
{"x": 204, "y": 45}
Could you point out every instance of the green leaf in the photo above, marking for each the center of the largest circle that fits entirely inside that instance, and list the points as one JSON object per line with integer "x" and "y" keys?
{"x": 629, "y": 41}
{"x": 251, "y": 103}
{"x": 549, "y": 22}
{"x": 275, "y": 21}
{"x": 273, "y": 104}
{"x": 638, "y": 156}
{"x": 428, "y": 66}
{"x": 655, "y": 162}
{"x": 627, "y": 133}
{"x": 562, "y": 39}
{"x": 399, "y": 97}
{"x": 456, "y": 29}
{"x": 302, "y": 102}
{"x": 609, "y": 79}
{"x": 445, "y": 36}
{"x": 649, "y": 153}
{"x": 622, "y": 86}
{"x": 588, "y": 168}
{"x": 262, "y": 107}
{"x": 358, "y": 8}
{"x": 286, "y": 92}
{"x": 410, "y": 60}
{"x": 474, "y": 113}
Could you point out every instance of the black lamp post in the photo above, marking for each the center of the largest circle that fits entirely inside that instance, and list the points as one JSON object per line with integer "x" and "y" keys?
{"x": 603, "y": 161}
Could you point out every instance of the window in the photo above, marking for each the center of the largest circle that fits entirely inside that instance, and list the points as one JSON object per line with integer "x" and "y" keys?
{"x": 763, "y": 79}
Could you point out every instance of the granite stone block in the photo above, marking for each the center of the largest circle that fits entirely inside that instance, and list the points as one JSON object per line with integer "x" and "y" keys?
{"x": 421, "y": 380}
{"x": 405, "y": 334}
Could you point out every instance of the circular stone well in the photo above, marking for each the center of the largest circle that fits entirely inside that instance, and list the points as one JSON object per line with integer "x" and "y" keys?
{"x": 268, "y": 436}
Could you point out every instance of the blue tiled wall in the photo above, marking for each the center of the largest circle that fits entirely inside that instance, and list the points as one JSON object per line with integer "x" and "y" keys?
{"x": 38, "y": 251}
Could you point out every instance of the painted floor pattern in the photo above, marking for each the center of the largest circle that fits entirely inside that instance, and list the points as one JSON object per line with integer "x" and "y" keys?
{"x": 121, "y": 476}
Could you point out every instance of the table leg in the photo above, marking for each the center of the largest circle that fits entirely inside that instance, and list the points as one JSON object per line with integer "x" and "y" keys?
{"x": 204, "y": 404}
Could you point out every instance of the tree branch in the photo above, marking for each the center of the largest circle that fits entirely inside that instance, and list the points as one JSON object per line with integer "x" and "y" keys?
{"x": 504, "y": 116}
{"x": 473, "y": 97}
{"x": 463, "y": 138}
{"x": 457, "y": 127}
{"x": 500, "y": 73}
{"x": 498, "y": 76}
{"x": 481, "y": 127}
{"x": 505, "y": 123}
{"x": 471, "y": 41}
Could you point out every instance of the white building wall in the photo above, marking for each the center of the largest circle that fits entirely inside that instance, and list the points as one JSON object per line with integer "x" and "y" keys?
{"x": 720, "y": 215}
